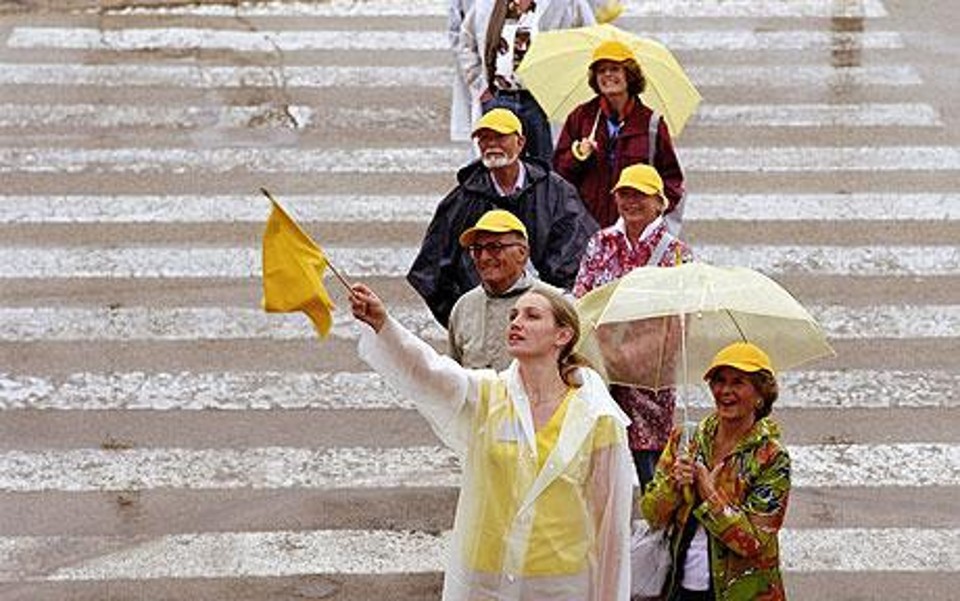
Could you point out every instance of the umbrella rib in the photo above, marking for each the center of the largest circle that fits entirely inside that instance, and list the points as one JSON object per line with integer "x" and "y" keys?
{"x": 733, "y": 320}
{"x": 663, "y": 352}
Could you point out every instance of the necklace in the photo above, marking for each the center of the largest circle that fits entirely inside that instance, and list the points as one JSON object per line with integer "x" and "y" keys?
{"x": 543, "y": 410}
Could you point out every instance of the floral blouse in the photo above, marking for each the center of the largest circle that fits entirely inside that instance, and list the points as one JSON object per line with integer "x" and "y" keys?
{"x": 609, "y": 255}
{"x": 743, "y": 522}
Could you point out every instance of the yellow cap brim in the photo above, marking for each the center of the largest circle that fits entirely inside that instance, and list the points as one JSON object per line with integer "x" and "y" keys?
{"x": 746, "y": 367}
{"x": 500, "y": 129}
{"x": 466, "y": 238}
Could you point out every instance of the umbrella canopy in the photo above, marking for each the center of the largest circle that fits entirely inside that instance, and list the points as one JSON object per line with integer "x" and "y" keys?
{"x": 554, "y": 69}
{"x": 636, "y": 327}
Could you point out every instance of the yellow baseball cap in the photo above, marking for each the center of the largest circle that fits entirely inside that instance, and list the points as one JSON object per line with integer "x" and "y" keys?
{"x": 500, "y": 120}
{"x": 643, "y": 178}
{"x": 612, "y": 50}
{"x": 740, "y": 355}
{"x": 497, "y": 221}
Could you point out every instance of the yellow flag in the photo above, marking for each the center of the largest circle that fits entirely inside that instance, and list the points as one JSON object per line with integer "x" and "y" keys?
{"x": 293, "y": 267}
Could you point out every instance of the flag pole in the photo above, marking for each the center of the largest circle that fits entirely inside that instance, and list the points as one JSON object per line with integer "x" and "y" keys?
{"x": 330, "y": 264}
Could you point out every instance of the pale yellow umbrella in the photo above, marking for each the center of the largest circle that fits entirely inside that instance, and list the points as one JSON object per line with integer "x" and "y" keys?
{"x": 554, "y": 69}
{"x": 636, "y": 326}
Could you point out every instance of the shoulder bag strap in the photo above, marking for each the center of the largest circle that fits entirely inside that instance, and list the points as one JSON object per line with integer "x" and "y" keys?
{"x": 653, "y": 130}
{"x": 661, "y": 249}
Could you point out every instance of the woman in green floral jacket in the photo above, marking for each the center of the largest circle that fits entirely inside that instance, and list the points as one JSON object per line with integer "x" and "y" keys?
{"x": 734, "y": 481}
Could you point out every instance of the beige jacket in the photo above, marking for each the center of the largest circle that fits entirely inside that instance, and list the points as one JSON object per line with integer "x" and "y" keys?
{"x": 477, "y": 331}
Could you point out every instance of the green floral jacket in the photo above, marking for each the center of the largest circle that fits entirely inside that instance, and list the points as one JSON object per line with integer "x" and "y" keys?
{"x": 742, "y": 524}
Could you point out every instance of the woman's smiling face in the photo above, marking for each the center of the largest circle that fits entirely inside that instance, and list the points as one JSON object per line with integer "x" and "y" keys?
{"x": 734, "y": 394}
{"x": 637, "y": 208}
{"x": 611, "y": 78}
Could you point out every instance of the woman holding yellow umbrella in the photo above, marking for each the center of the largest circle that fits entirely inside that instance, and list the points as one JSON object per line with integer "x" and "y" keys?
{"x": 639, "y": 237}
{"x": 614, "y": 130}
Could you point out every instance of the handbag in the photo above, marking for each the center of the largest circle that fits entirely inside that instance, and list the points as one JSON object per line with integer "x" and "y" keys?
{"x": 650, "y": 559}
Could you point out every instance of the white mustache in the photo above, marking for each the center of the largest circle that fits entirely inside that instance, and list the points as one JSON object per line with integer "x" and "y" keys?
{"x": 495, "y": 159}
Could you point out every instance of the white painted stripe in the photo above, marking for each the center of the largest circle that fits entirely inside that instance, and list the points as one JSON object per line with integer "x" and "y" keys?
{"x": 241, "y": 391}
{"x": 72, "y": 324}
{"x": 194, "y": 117}
{"x": 447, "y": 159}
{"x": 307, "y": 552}
{"x": 301, "y": 116}
{"x": 227, "y": 469}
{"x": 178, "y": 117}
{"x": 190, "y": 38}
{"x": 225, "y": 555}
{"x": 229, "y": 391}
{"x": 840, "y": 208}
{"x": 22, "y": 324}
{"x": 875, "y": 465}
{"x": 227, "y": 209}
{"x": 887, "y": 321}
{"x": 870, "y": 550}
{"x": 692, "y": 41}
{"x": 204, "y": 76}
{"x": 438, "y": 8}
{"x": 273, "y": 468}
{"x": 363, "y": 209}
{"x": 166, "y": 262}
{"x": 819, "y": 115}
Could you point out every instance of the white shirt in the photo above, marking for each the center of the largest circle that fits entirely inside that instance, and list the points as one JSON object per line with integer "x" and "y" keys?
{"x": 517, "y": 185}
{"x": 621, "y": 227}
{"x": 696, "y": 566}
{"x": 516, "y": 33}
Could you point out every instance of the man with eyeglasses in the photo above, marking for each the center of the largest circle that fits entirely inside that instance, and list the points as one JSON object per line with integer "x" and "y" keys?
{"x": 556, "y": 221}
{"x": 478, "y": 323}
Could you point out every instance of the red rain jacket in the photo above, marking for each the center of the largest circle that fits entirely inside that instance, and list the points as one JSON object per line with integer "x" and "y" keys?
{"x": 595, "y": 176}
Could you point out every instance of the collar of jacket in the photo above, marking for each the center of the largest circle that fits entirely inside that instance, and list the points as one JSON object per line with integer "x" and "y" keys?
{"x": 523, "y": 283}
{"x": 607, "y": 110}
{"x": 475, "y": 177}
{"x": 619, "y": 228}
{"x": 764, "y": 430}
{"x": 592, "y": 393}
{"x": 634, "y": 121}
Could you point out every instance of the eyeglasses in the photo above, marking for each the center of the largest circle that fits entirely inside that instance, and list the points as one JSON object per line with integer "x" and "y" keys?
{"x": 494, "y": 248}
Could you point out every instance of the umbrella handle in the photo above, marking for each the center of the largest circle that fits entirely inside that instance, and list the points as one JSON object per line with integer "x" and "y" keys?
{"x": 578, "y": 153}
{"x": 596, "y": 122}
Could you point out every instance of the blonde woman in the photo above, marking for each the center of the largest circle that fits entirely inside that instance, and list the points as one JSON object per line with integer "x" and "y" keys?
{"x": 544, "y": 505}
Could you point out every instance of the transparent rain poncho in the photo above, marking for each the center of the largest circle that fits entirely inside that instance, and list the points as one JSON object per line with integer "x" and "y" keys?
{"x": 542, "y": 515}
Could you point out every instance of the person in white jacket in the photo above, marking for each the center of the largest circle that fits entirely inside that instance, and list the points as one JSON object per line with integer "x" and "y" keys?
{"x": 488, "y": 71}
{"x": 461, "y": 114}
{"x": 545, "y": 500}
{"x": 463, "y": 111}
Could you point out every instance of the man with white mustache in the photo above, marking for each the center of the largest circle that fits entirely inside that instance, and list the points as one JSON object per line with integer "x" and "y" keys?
{"x": 557, "y": 223}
